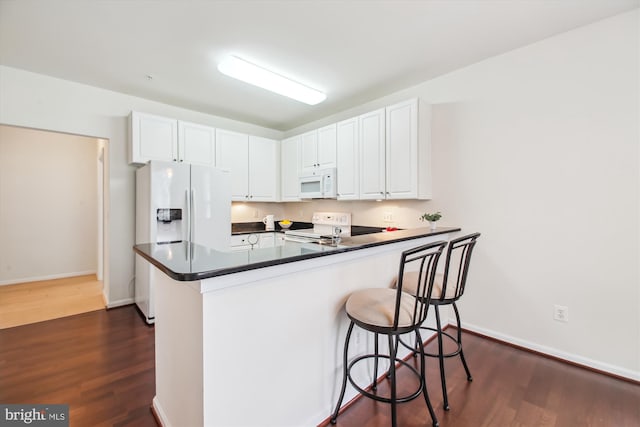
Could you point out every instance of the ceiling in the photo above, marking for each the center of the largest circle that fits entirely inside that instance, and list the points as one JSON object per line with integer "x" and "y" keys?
{"x": 354, "y": 51}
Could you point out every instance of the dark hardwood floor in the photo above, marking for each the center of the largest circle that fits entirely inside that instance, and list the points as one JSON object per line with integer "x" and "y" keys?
{"x": 102, "y": 364}
{"x": 510, "y": 387}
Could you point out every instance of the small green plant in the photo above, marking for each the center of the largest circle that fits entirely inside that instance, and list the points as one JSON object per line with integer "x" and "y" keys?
{"x": 431, "y": 217}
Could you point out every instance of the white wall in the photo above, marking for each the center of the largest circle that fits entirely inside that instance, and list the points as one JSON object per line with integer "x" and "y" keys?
{"x": 43, "y": 102}
{"x": 48, "y": 205}
{"x": 538, "y": 150}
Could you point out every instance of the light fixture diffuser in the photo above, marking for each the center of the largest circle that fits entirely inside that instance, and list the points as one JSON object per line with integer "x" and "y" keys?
{"x": 258, "y": 76}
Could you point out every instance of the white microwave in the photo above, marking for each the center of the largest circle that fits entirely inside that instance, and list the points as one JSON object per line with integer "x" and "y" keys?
{"x": 319, "y": 184}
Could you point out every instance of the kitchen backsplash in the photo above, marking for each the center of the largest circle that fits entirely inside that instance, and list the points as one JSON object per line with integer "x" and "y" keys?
{"x": 404, "y": 213}
{"x": 252, "y": 212}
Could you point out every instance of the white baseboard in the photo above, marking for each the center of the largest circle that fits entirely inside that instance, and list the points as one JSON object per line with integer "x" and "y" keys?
{"x": 573, "y": 358}
{"x": 119, "y": 303}
{"x": 49, "y": 277}
{"x": 162, "y": 417}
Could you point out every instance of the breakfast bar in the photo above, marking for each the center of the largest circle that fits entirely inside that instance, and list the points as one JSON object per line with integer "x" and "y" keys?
{"x": 254, "y": 338}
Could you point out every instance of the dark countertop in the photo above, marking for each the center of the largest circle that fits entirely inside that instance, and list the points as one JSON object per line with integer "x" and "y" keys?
{"x": 258, "y": 227}
{"x": 187, "y": 262}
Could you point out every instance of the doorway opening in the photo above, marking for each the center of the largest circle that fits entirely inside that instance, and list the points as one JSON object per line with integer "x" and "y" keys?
{"x": 53, "y": 225}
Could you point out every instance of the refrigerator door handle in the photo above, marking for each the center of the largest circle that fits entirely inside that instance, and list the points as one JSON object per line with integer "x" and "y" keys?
{"x": 192, "y": 219}
{"x": 188, "y": 215}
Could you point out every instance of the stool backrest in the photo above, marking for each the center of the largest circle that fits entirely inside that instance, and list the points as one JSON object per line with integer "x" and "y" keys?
{"x": 426, "y": 258}
{"x": 456, "y": 266}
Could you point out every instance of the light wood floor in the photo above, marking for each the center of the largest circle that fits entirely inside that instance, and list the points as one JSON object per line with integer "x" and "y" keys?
{"x": 32, "y": 302}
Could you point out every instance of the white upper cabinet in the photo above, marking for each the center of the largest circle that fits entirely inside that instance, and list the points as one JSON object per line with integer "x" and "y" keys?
{"x": 196, "y": 144}
{"x": 232, "y": 154}
{"x": 395, "y": 152}
{"x": 264, "y": 169}
{"x": 402, "y": 150}
{"x": 348, "y": 177}
{"x": 152, "y": 138}
{"x": 170, "y": 140}
{"x": 372, "y": 155}
{"x": 317, "y": 149}
{"x": 289, "y": 169}
{"x": 308, "y": 151}
{"x": 253, "y": 163}
{"x": 327, "y": 147}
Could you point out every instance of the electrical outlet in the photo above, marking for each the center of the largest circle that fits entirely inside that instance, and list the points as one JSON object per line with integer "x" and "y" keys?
{"x": 387, "y": 217}
{"x": 256, "y": 213}
{"x": 561, "y": 313}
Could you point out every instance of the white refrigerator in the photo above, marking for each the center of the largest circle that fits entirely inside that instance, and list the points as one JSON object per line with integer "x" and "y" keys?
{"x": 178, "y": 202}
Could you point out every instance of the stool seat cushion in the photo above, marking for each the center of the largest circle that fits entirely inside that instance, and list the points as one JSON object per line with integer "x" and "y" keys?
{"x": 410, "y": 285}
{"x": 377, "y": 307}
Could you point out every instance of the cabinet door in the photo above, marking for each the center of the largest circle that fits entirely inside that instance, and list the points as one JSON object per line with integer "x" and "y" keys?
{"x": 327, "y": 147}
{"x": 289, "y": 169}
{"x": 196, "y": 144}
{"x": 347, "y": 159}
{"x": 279, "y": 239}
{"x": 264, "y": 167}
{"x": 267, "y": 240}
{"x": 232, "y": 154}
{"x": 308, "y": 151}
{"x": 402, "y": 150}
{"x": 372, "y": 155}
{"x": 153, "y": 138}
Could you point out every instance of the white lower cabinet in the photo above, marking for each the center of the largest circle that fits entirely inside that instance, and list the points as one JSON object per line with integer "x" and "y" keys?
{"x": 267, "y": 240}
{"x": 244, "y": 242}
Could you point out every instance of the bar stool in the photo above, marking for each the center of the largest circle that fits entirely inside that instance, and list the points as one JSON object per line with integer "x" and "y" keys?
{"x": 447, "y": 289}
{"x": 393, "y": 312}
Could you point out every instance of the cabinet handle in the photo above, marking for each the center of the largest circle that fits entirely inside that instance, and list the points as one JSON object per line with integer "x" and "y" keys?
{"x": 382, "y": 192}
{"x": 175, "y": 160}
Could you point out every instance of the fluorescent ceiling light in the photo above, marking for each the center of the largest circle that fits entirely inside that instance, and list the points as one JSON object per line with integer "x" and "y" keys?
{"x": 258, "y": 76}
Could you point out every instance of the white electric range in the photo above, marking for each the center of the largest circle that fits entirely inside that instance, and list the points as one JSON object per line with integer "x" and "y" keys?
{"x": 327, "y": 227}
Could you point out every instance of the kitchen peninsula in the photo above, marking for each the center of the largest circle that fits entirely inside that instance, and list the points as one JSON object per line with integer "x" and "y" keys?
{"x": 255, "y": 337}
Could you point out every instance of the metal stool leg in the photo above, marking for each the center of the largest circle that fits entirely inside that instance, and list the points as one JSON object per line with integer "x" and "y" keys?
{"x": 374, "y": 384}
{"x": 423, "y": 372}
{"x": 334, "y": 417}
{"x": 464, "y": 362}
{"x": 441, "y": 360}
{"x": 392, "y": 373}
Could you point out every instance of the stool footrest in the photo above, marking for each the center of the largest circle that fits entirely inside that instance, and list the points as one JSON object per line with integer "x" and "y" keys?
{"x": 367, "y": 393}
{"x": 451, "y": 354}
